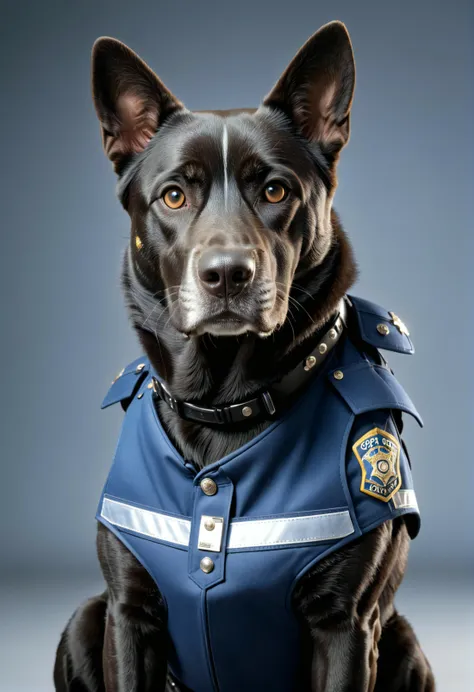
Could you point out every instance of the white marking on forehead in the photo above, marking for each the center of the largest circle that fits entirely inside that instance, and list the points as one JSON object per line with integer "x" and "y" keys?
{"x": 225, "y": 146}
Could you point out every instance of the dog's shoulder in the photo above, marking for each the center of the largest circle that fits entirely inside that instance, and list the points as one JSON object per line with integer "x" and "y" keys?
{"x": 380, "y": 328}
{"x": 126, "y": 384}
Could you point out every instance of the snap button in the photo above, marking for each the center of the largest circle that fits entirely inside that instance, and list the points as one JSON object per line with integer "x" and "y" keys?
{"x": 247, "y": 411}
{"x": 208, "y": 486}
{"x": 322, "y": 348}
{"x": 332, "y": 333}
{"x": 207, "y": 565}
{"x": 210, "y": 524}
{"x": 338, "y": 375}
{"x": 140, "y": 367}
{"x": 383, "y": 329}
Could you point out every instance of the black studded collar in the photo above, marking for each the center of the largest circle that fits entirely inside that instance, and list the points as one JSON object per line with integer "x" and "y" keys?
{"x": 261, "y": 406}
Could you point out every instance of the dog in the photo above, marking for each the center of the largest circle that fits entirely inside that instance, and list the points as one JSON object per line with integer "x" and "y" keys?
{"x": 237, "y": 553}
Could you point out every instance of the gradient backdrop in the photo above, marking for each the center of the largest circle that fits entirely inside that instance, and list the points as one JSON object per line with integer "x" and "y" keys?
{"x": 405, "y": 197}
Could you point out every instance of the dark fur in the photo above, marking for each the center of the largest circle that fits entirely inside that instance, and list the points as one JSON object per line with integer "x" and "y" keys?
{"x": 354, "y": 640}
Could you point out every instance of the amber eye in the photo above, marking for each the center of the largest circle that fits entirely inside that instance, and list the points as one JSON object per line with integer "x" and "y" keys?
{"x": 275, "y": 192}
{"x": 174, "y": 198}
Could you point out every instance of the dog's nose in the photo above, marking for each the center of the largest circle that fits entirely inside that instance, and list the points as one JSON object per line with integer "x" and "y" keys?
{"x": 226, "y": 272}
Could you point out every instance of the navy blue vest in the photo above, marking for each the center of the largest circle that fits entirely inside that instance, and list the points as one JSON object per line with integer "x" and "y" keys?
{"x": 227, "y": 545}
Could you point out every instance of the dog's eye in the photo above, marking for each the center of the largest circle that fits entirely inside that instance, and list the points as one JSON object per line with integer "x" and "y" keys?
{"x": 275, "y": 192}
{"x": 174, "y": 198}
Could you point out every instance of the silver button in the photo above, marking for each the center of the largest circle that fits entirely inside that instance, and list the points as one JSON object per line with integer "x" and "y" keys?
{"x": 332, "y": 333}
{"x": 207, "y": 565}
{"x": 208, "y": 486}
{"x": 210, "y": 524}
{"x": 247, "y": 411}
{"x": 140, "y": 367}
{"x": 322, "y": 348}
{"x": 338, "y": 374}
{"x": 383, "y": 329}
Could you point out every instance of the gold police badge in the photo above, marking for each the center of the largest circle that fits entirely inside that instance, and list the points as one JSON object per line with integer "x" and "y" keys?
{"x": 378, "y": 453}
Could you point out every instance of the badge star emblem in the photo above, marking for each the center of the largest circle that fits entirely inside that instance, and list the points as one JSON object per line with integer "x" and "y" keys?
{"x": 397, "y": 322}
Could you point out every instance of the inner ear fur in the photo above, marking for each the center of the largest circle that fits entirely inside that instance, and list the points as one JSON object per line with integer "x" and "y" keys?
{"x": 130, "y": 100}
{"x": 317, "y": 88}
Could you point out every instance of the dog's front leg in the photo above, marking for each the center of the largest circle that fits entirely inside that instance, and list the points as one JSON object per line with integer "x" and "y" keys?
{"x": 344, "y": 654}
{"x": 338, "y": 602}
{"x": 135, "y": 641}
{"x": 133, "y": 655}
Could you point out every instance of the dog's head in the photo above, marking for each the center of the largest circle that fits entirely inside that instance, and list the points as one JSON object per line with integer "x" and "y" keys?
{"x": 228, "y": 209}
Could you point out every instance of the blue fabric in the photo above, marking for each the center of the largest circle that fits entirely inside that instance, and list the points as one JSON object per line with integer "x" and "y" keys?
{"x": 234, "y": 629}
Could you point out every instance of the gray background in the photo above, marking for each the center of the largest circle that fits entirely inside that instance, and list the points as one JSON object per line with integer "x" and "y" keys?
{"x": 405, "y": 196}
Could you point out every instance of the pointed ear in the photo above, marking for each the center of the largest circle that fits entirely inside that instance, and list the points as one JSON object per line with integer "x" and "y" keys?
{"x": 129, "y": 99}
{"x": 316, "y": 89}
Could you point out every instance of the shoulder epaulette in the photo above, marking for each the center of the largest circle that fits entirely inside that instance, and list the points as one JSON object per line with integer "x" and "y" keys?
{"x": 126, "y": 383}
{"x": 380, "y": 328}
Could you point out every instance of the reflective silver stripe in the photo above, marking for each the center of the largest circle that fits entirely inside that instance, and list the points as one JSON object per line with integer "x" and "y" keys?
{"x": 243, "y": 534}
{"x": 405, "y": 499}
{"x": 153, "y": 524}
{"x": 267, "y": 532}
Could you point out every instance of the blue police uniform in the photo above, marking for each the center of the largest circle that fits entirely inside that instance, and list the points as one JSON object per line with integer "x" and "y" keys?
{"x": 226, "y": 545}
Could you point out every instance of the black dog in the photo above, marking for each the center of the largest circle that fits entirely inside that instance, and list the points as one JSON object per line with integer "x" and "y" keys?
{"x": 235, "y": 272}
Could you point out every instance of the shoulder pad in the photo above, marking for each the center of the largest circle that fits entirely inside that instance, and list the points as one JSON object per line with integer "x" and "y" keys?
{"x": 366, "y": 386}
{"x": 127, "y": 382}
{"x": 380, "y": 328}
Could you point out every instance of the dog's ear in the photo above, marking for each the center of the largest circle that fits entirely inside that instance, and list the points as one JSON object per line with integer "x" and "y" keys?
{"x": 317, "y": 87}
{"x": 130, "y": 100}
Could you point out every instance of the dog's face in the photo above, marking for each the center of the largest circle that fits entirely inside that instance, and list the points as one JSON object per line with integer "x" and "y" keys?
{"x": 227, "y": 208}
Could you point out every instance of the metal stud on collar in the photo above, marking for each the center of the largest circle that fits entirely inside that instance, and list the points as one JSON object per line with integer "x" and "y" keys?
{"x": 310, "y": 362}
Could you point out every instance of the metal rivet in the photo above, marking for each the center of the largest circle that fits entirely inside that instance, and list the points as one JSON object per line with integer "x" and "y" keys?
{"x": 332, "y": 333}
{"x": 309, "y": 363}
{"x": 247, "y": 411}
{"x": 338, "y": 374}
{"x": 140, "y": 367}
{"x": 322, "y": 348}
{"x": 210, "y": 524}
{"x": 208, "y": 486}
{"x": 383, "y": 329}
{"x": 139, "y": 396}
{"x": 150, "y": 385}
{"x": 207, "y": 565}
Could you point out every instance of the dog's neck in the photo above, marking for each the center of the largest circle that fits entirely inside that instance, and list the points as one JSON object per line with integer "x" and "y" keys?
{"x": 224, "y": 370}
{"x": 213, "y": 371}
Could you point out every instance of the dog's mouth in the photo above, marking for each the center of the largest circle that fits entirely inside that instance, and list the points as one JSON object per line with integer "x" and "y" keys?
{"x": 228, "y": 323}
